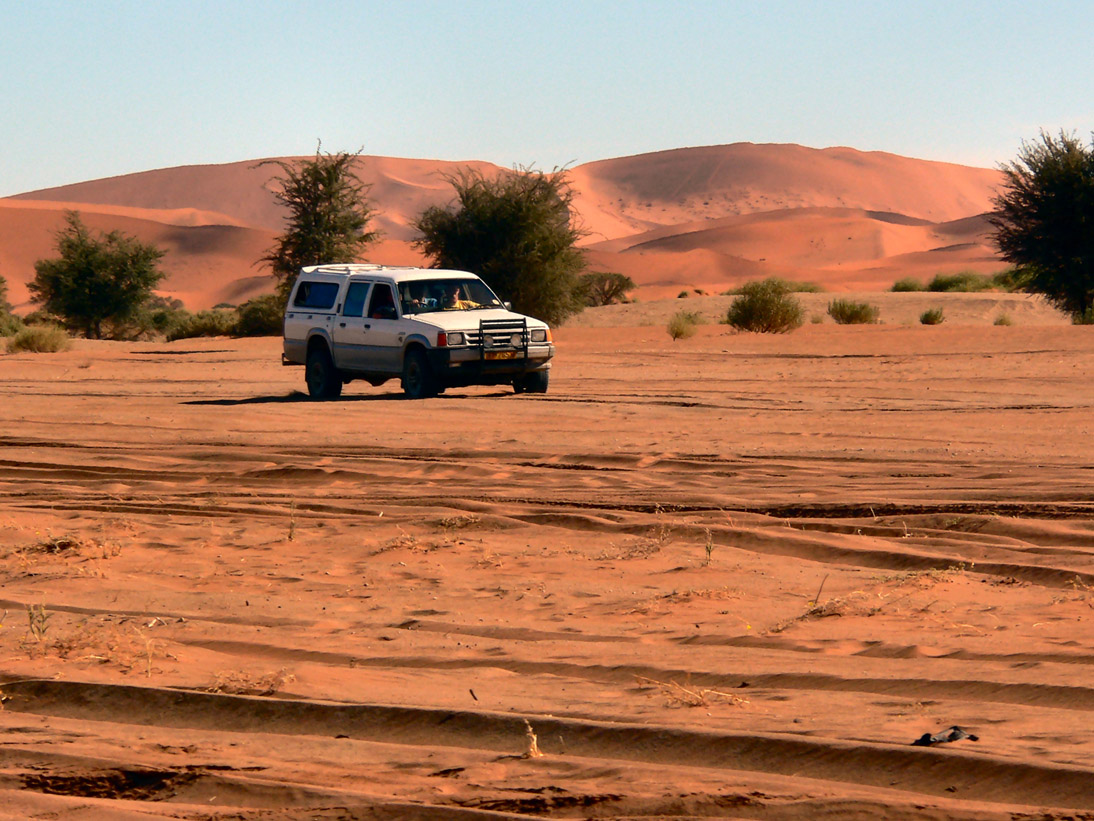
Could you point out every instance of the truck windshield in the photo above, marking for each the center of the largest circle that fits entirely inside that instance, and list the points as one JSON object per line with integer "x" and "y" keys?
{"x": 428, "y": 295}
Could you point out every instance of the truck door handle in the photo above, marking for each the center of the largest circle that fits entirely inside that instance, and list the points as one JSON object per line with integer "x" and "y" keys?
{"x": 341, "y": 324}
{"x": 367, "y": 327}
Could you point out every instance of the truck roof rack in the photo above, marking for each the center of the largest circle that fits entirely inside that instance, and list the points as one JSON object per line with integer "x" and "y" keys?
{"x": 353, "y": 268}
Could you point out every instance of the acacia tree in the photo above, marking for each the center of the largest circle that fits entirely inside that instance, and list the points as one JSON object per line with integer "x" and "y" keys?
{"x": 605, "y": 288}
{"x": 9, "y": 323}
{"x": 329, "y": 213}
{"x": 1045, "y": 221}
{"x": 517, "y": 232}
{"x": 96, "y": 279}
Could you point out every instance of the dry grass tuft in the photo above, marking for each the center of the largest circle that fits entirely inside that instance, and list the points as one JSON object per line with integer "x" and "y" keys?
{"x": 533, "y": 750}
{"x": 72, "y": 544}
{"x": 96, "y": 639}
{"x": 685, "y": 695}
{"x": 459, "y": 522}
{"x": 239, "y": 683}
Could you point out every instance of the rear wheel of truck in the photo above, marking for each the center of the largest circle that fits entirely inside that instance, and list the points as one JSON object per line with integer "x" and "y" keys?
{"x": 323, "y": 379}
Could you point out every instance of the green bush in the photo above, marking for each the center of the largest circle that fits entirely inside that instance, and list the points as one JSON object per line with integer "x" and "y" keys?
{"x": 683, "y": 295}
{"x": 846, "y": 312}
{"x": 932, "y": 317}
{"x": 41, "y": 317}
{"x": 1011, "y": 280}
{"x": 1003, "y": 319}
{"x": 261, "y": 316}
{"x": 205, "y": 323}
{"x": 791, "y": 286}
{"x": 682, "y": 324}
{"x": 766, "y": 307}
{"x": 1085, "y": 318}
{"x": 40, "y": 339}
{"x": 1043, "y": 217}
{"x": 168, "y": 321}
{"x": 907, "y": 284}
{"x": 963, "y": 281}
{"x": 10, "y": 324}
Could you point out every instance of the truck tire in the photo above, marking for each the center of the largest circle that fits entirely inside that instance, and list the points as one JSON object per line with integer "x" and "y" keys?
{"x": 534, "y": 382}
{"x": 323, "y": 379}
{"x": 419, "y": 381}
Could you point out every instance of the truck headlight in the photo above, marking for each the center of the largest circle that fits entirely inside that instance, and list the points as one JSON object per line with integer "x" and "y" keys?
{"x": 539, "y": 335}
{"x": 455, "y": 338}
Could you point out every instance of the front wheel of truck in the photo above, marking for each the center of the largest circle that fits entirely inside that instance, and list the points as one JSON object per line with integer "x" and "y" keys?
{"x": 419, "y": 382}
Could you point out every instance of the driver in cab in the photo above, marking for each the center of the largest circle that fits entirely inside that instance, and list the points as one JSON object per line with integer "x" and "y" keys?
{"x": 453, "y": 300}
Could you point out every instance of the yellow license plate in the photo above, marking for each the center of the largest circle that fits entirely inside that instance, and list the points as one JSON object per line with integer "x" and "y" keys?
{"x": 500, "y": 355}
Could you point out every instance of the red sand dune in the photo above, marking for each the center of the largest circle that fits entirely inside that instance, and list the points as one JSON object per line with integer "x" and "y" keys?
{"x": 699, "y": 217}
{"x": 839, "y": 248}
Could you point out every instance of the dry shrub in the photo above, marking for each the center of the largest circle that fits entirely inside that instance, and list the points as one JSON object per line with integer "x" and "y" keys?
{"x": 962, "y": 281}
{"x": 240, "y": 683}
{"x": 908, "y": 284}
{"x": 932, "y": 316}
{"x": 682, "y": 325}
{"x": 686, "y": 695}
{"x": 69, "y": 544}
{"x": 63, "y": 550}
{"x": 849, "y": 312}
{"x": 715, "y": 594}
{"x": 105, "y": 642}
{"x": 40, "y": 339}
{"x": 850, "y": 605}
{"x": 638, "y": 548}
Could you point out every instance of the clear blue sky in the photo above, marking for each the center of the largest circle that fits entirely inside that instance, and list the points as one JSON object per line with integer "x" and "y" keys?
{"x": 96, "y": 88}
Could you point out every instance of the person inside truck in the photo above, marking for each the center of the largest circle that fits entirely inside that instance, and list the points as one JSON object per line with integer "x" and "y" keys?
{"x": 453, "y": 298}
{"x": 418, "y": 300}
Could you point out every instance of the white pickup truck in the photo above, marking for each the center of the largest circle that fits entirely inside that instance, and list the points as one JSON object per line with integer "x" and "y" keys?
{"x": 432, "y": 328}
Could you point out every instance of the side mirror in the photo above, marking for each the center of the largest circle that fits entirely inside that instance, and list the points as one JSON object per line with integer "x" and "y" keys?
{"x": 385, "y": 312}
{"x": 507, "y": 305}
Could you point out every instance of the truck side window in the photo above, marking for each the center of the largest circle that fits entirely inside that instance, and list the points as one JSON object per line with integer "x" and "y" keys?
{"x": 382, "y": 304}
{"x": 355, "y": 299}
{"x": 317, "y": 295}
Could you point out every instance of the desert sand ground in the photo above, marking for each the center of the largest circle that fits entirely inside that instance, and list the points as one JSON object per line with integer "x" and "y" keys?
{"x": 730, "y": 576}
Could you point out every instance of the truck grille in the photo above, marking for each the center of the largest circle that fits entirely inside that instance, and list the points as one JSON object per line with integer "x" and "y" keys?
{"x": 496, "y": 334}
{"x": 500, "y": 335}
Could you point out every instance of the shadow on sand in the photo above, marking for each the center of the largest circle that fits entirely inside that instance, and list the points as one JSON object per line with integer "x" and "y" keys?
{"x": 300, "y": 396}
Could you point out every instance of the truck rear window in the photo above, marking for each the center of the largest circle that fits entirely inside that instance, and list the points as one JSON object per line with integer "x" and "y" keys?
{"x": 317, "y": 295}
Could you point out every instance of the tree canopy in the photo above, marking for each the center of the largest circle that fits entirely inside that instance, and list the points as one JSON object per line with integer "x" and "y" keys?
{"x": 329, "y": 213}
{"x": 97, "y": 279}
{"x": 1044, "y": 224}
{"x": 517, "y": 232}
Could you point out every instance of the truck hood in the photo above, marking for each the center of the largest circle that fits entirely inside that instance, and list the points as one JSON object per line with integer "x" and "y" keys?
{"x": 469, "y": 320}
